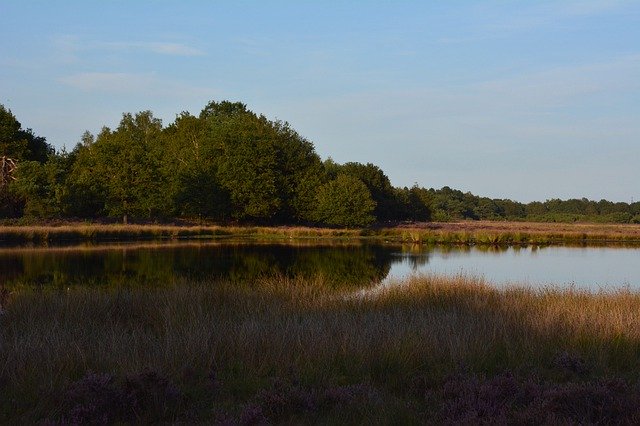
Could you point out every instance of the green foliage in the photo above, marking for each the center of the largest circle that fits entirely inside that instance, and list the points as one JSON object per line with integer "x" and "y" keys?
{"x": 345, "y": 201}
{"x": 199, "y": 194}
{"x": 300, "y": 172}
{"x": 248, "y": 160}
{"x": 128, "y": 162}
{"x": 38, "y": 185}
{"x": 86, "y": 195}
{"x": 18, "y": 143}
{"x": 379, "y": 186}
{"x": 230, "y": 163}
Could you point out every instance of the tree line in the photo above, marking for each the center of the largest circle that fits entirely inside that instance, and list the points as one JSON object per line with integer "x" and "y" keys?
{"x": 230, "y": 164}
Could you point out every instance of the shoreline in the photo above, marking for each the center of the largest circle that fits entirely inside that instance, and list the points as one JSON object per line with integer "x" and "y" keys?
{"x": 467, "y": 232}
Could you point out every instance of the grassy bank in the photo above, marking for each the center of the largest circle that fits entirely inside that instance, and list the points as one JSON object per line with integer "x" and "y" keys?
{"x": 472, "y": 232}
{"x": 495, "y": 232}
{"x": 117, "y": 232}
{"x": 440, "y": 350}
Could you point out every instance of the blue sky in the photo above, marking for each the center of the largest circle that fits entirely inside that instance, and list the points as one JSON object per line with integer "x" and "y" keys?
{"x": 527, "y": 100}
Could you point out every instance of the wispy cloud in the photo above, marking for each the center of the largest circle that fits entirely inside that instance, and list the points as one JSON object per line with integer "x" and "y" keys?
{"x": 590, "y": 7}
{"x": 109, "y": 81}
{"x": 163, "y": 48}
{"x": 69, "y": 47}
{"x": 561, "y": 86}
{"x": 503, "y": 19}
{"x": 147, "y": 84}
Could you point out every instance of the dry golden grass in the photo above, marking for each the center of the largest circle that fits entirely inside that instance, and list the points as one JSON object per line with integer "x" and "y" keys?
{"x": 471, "y": 232}
{"x": 502, "y": 231}
{"x": 118, "y": 232}
{"x": 249, "y": 332}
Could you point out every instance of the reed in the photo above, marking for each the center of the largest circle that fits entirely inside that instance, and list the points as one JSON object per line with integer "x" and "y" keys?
{"x": 235, "y": 349}
{"x": 480, "y": 232}
{"x": 11, "y": 235}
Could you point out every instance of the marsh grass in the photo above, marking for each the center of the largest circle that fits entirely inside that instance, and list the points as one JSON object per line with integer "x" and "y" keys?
{"x": 292, "y": 350}
{"x": 45, "y": 234}
{"x": 471, "y": 232}
{"x": 498, "y": 232}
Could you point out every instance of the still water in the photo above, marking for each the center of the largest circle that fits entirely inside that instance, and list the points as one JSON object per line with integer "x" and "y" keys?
{"x": 353, "y": 265}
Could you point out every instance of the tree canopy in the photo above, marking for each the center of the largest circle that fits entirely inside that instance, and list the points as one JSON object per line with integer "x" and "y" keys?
{"x": 230, "y": 164}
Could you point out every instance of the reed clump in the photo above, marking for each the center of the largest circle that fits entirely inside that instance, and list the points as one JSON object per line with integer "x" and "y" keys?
{"x": 471, "y": 232}
{"x": 295, "y": 350}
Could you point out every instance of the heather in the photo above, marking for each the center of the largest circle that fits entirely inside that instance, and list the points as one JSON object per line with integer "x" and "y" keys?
{"x": 299, "y": 350}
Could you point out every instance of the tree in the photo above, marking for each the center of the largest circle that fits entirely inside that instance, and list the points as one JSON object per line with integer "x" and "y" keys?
{"x": 345, "y": 201}
{"x": 128, "y": 162}
{"x": 191, "y": 162}
{"x": 299, "y": 173}
{"x": 419, "y": 204}
{"x": 16, "y": 146}
{"x": 42, "y": 187}
{"x": 247, "y": 165}
{"x": 199, "y": 194}
{"x": 18, "y": 143}
{"x": 378, "y": 184}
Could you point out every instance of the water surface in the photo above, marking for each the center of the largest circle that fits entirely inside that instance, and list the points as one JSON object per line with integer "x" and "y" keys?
{"x": 354, "y": 264}
{"x": 592, "y": 268}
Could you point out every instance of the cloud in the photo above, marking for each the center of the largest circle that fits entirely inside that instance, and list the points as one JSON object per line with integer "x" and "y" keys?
{"x": 109, "y": 81}
{"x": 503, "y": 19}
{"x": 574, "y": 112}
{"x": 563, "y": 86}
{"x": 69, "y": 47}
{"x": 162, "y": 48}
{"x": 177, "y": 49}
{"x": 590, "y": 7}
{"x": 149, "y": 85}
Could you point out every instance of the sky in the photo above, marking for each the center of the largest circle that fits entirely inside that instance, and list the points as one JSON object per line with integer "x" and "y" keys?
{"x": 526, "y": 100}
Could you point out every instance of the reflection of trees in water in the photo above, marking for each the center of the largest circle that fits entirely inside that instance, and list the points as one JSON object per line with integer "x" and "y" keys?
{"x": 418, "y": 261}
{"x": 346, "y": 266}
{"x": 339, "y": 266}
{"x": 416, "y": 255}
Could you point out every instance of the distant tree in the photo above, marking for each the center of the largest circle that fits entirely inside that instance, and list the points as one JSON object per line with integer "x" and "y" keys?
{"x": 299, "y": 173}
{"x": 18, "y": 143}
{"x": 419, "y": 204}
{"x": 128, "y": 162}
{"x": 509, "y": 209}
{"x": 86, "y": 186}
{"x": 345, "y": 201}
{"x": 42, "y": 186}
{"x": 379, "y": 186}
{"x": 536, "y": 208}
{"x": 191, "y": 162}
{"x": 199, "y": 194}
{"x": 487, "y": 209}
{"x": 451, "y": 204}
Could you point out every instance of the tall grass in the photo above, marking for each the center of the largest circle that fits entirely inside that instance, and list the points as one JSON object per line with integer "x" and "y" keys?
{"x": 493, "y": 232}
{"x": 114, "y": 232}
{"x": 222, "y": 345}
{"x": 480, "y": 232}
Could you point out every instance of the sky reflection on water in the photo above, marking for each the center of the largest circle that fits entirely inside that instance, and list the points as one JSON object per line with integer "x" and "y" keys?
{"x": 592, "y": 268}
{"x": 352, "y": 265}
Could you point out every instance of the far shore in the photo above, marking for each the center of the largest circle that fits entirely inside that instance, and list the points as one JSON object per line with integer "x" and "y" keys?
{"x": 465, "y": 232}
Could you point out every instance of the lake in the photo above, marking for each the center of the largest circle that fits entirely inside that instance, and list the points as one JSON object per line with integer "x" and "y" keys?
{"x": 350, "y": 264}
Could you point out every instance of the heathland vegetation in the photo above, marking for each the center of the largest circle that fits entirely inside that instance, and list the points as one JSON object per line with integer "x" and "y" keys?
{"x": 319, "y": 343}
{"x": 230, "y": 164}
{"x": 302, "y": 351}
